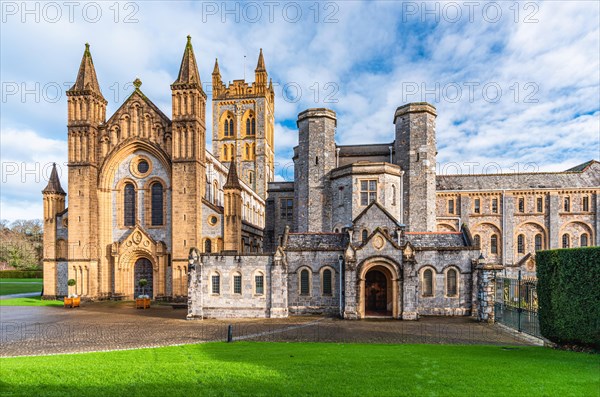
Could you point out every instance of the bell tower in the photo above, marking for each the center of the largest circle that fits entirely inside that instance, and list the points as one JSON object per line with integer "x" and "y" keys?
{"x": 54, "y": 203}
{"x": 244, "y": 124}
{"x": 189, "y": 165}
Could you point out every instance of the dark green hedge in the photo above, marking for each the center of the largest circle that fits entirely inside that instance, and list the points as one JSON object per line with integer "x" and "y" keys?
{"x": 569, "y": 295}
{"x": 21, "y": 274}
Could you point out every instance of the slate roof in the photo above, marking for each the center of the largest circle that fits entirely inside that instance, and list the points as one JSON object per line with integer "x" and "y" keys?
{"x": 428, "y": 240}
{"x": 581, "y": 176}
{"x": 316, "y": 241}
{"x": 54, "y": 183}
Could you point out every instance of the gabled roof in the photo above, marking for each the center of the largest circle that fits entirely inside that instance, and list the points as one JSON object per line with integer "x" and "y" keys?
{"x": 138, "y": 94}
{"x": 379, "y": 231}
{"x": 380, "y": 207}
{"x": 54, "y": 183}
{"x": 581, "y": 167}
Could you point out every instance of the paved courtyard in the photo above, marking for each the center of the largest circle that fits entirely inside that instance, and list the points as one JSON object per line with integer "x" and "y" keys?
{"x": 110, "y": 326}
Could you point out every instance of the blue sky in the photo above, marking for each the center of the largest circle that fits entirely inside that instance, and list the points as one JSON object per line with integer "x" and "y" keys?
{"x": 516, "y": 85}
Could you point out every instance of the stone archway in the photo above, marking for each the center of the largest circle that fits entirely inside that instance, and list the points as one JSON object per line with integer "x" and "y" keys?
{"x": 379, "y": 290}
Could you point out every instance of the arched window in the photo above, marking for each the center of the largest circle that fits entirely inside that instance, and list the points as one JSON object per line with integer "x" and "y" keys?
{"x": 567, "y": 204}
{"x": 259, "y": 284}
{"x": 237, "y": 283}
{"x": 129, "y": 205}
{"x": 247, "y": 147}
{"x": 365, "y": 235}
{"x": 393, "y": 194}
{"x": 477, "y": 240}
{"x": 228, "y": 130}
{"x": 494, "y": 244}
{"x": 583, "y": 240}
{"x": 451, "y": 282}
{"x": 207, "y": 246}
{"x": 427, "y": 286}
{"x": 538, "y": 242}
{"x": 250, "y": 125}
{"x": 521, "y": 244}
{"x": 225, "y": 153}
{"x": 304, "y": 282}
{"x": 327, "y": 287}
{"x": 566, "y": 241}
{"x": 157, "y": 204}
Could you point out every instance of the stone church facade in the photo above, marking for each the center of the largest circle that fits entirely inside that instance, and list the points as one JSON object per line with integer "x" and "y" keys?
{"x": 363, "y": 230}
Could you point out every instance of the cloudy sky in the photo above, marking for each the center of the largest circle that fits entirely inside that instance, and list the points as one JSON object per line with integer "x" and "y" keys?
{"x": 516, "y": 85}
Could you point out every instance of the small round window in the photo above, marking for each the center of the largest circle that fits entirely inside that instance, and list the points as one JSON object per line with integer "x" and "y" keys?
{"x": 143, "y": 166}
{"x": 213, "y": 220}
{"x": 140, "y": 166}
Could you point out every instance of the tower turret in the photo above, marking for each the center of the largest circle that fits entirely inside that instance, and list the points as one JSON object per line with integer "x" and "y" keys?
{"x": 217, "y": 83}
{"x": 189, "y": 159}
{"x": 54, "y": 203}
{"x": 416, "y": 155}
{"x": 260, "y": 74}
{"x": 314, "y": 158}
{"x": 232, "y": 192}
{"x": 86, "y": 112}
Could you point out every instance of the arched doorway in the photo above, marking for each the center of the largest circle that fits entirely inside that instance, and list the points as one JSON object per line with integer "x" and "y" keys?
{"x": 143, "y": 270}
{"x": 380, "y": 290}
{"x": 376, "y": 302}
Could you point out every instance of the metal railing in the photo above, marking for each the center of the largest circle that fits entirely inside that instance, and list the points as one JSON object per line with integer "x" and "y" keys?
{"x": 516, "y": 304}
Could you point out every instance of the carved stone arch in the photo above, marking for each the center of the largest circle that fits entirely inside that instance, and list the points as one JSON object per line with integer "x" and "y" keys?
{"x": 369, "y": 291}
{"x": 575, "y": 229}
{"x": 111, "y": 163}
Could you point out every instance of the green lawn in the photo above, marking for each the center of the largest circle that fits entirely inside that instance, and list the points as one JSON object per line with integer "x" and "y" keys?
{"x": 33, "y": 301}
{"x": 271, "y": 369}
{"x": 20, "y": 285}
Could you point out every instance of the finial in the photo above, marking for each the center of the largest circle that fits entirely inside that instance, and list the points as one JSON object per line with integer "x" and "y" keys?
{"x": 189, "y": 39}
{"x": 87, "y": 46}
{"x": 137, "y": 83}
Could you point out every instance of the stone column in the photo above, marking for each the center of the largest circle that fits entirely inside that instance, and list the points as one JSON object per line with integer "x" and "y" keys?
{"x": 553, "y": 220}
{"x": 278, "y": 302}
{"x": 486, "y": 288}
{"x": 195, "y": 306}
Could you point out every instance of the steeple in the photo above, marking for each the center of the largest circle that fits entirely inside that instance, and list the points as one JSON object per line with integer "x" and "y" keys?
{"x": 86, "y": 76}
{"x": 216, "y": 70}
{"x": 188, "y": 72}
{"x": 53, "y": 186}
{"x": 233, "y": 181}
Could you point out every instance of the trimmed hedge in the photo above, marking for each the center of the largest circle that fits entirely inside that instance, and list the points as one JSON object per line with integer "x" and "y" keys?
{"x": 569, "y": 295}
{"x": 21, "y": 274}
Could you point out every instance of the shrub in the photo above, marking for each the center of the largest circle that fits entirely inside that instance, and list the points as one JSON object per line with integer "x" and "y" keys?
{"x": 21, "y": 274}
{"x": 569, "y": 295}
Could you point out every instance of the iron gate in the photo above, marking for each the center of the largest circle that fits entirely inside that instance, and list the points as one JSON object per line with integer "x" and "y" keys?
{"x": 516, "y": 304}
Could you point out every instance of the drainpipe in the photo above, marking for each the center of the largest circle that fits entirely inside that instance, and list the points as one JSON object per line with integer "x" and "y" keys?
{"x": 337, "y": 157}
{"x": 341, "y": 291}
{"x": 504, "y": 230}
{"x": 391, "y": 159}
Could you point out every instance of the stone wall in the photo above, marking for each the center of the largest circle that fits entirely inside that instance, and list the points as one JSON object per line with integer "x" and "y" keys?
{"x": 225, "y": 302}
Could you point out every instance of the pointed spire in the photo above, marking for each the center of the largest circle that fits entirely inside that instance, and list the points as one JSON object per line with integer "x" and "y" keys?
{"x": 260, "y": 66}
{"x": 86, "y": 76}
{"x": 188, "y": 72}
{"x": 54, "y": 183}
{"x": 271, "y": 84}
{"x": 233, "y": 182}
{"x": 216, "y": 69}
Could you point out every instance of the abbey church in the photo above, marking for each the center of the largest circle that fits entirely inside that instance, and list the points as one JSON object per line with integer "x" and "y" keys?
{"x": 366, "y": 230}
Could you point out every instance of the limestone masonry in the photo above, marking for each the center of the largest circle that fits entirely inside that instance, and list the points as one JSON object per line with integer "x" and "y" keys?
{"x": 362, "y": 231}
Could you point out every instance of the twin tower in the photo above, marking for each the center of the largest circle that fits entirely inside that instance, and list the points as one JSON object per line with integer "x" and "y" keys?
{"x": 413, "y": 151}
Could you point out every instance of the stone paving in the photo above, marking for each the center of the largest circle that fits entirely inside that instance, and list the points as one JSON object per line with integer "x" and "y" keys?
{"x": 118, "y": 325}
